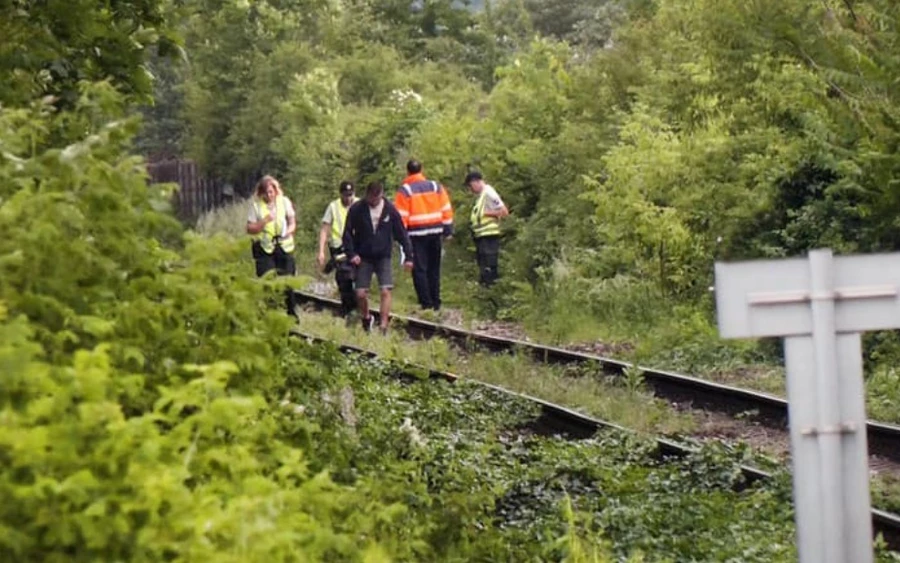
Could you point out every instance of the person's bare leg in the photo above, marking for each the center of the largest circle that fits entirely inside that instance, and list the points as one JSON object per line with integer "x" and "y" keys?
{"x": 385, "y": 308}
{"x": 362, "y": 299}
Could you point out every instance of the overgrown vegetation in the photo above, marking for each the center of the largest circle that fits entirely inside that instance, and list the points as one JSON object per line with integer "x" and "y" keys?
{"x": 635, "y": 141}
{"x": 585, "y": 389}
{"x": 619, "y": 400}
{"x": 153, "y": 407}
{"x": 473, "y": 447}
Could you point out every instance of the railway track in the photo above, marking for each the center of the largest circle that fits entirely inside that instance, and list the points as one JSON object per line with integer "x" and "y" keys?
{"x": 556, "y": 419}
{"x": 767, "y": 410}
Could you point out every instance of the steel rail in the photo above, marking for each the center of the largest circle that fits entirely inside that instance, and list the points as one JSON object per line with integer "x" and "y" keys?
{"x": 768, "y": 410}
{"x": 563, "y": 421}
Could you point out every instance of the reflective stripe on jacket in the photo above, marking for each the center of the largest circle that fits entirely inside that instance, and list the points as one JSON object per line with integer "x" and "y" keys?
{"x": 338, "y": 220}
{"x": 424, "y": 207}
{"x": 483, "y": 226}
{"x": 266, "y": 237}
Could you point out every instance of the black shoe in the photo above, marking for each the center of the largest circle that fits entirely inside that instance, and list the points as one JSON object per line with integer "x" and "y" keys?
{"x": 368, "y": 323}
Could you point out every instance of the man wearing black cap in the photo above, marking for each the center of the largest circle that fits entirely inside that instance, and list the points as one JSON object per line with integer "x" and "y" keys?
{"x": 485, "y": 219}
{"x": 332, "y": 232}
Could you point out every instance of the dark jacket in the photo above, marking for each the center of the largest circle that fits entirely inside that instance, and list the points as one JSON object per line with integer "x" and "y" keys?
{"x": 360, "y": 240}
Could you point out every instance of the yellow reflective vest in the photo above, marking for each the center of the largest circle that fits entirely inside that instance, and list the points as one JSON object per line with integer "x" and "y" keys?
{"x": 338, "y": 220}
{"x": 483, "y": 226}
{"x": 266, "y": 237}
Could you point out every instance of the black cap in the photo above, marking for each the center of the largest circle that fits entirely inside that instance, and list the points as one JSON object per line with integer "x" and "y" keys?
{"x": 346, "y": 187}
{"x": 473, "y": 175}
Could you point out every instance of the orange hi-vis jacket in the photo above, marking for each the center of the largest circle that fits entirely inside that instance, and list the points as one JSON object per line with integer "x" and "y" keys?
{"x": 424, "y": 207}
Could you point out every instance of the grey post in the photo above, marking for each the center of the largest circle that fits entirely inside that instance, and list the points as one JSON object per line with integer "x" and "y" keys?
{"x": 820, "y": 305}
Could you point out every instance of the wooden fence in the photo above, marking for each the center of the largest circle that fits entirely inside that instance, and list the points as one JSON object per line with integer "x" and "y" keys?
{"x": 198, "y": 192}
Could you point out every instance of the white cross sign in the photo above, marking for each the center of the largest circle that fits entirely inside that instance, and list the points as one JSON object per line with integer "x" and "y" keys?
{"x": 820, "y": 305}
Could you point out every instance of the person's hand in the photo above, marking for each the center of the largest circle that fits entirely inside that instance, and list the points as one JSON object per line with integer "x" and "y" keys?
{"x": 355, "y": 260}
{"x": 268, "y": 219}
{"x": 320, "y": 260}
{"x": 408, "y": 266}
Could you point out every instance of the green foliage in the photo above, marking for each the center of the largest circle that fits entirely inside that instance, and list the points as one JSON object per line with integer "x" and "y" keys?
{"x": 484, "y": 471}
{"x": 248, "y": 59}
{"x": 229, "y": 220}
{"x": 50, "y": 47}
{"x": 634, "y": 142}
{"x": 153, "y": 406}
{"x": 588, "y": 24}
{"x": 251, "y": 54}
{"x": 84, "y": 210}
{"x": 140, "y": 370}
{"x": 881, "y": 387}
{"x": 198, "y": 476}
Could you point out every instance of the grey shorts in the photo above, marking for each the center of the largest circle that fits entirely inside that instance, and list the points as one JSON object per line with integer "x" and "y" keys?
{"x": 380, "y": 267}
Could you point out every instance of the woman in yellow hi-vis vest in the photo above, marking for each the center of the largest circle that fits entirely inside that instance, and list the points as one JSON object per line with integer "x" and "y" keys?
{"x": 272, "y": 222}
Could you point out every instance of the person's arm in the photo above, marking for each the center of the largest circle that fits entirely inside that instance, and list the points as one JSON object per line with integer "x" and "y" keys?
{"x": 325, "y": 234}
{"x": 291, "y": 217}
{"x": 323, "y": 238}
{"x": 347, "y": 238}
{"x": 446, "y": 213}
{"x": 499, "y": 213}
{"x": 401, "y": 236}
{"x": 401, "y": 204}
{"x": 497, "y": 208}
{"x": 255, "y": 225}
{"x": 291, "y": 226}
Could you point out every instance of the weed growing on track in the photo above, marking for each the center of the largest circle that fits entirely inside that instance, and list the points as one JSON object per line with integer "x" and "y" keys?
{"x": 229, "y": 220}
{"x": 667, "y": 337}
{"x": 623, "y": 401}
{"x": 595, "y": 395}
{"x": 449, "y": 489}
{"x": 471, "y": 454}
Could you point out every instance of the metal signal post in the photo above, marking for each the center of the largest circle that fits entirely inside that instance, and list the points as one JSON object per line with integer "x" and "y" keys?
{"x": 819, "y": 305}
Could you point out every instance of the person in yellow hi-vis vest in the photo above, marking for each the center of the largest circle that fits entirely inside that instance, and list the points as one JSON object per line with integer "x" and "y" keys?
{"x": 272, "y": 222}
{"x": 485, "y": 218}
{"x": 332, "y": 234}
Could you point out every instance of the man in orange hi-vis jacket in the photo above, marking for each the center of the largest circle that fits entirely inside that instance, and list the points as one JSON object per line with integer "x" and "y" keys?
{"x": 427, "y": 215}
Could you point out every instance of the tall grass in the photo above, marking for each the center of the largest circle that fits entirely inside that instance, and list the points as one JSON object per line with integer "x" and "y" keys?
{"x": 625, "y": 313}
{"x": 585, "y": 390}
{"x": 230, "y": 219}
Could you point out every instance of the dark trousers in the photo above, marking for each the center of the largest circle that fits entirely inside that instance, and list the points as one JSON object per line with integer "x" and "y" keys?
{"x": 487, "y": 251}
{"x": 427, "y": 269}
{"x": 343, "y": 277}
{"x": 279, "y": 260}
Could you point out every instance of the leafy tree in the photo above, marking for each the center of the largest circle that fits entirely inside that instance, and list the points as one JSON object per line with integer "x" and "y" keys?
{"x": 49, "y": 47}
{"x": 163, "y": 130}
{"x": 635, "y": 141}
{"x": 588, "y": 24}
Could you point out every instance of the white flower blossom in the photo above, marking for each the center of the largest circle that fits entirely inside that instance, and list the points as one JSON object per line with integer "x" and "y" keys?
{"x": 415, "y": 437}
{"x": 404, "y": 97}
